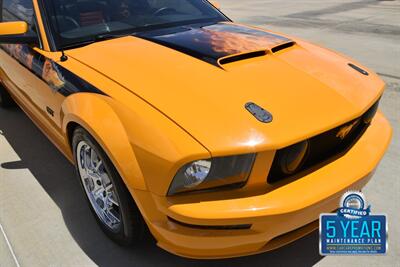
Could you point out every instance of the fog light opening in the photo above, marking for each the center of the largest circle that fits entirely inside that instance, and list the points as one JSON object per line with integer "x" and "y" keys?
{"x": 292, "y": 158}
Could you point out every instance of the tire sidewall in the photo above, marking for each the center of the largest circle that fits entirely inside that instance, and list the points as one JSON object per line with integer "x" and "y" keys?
{"x": 131, "y": 221}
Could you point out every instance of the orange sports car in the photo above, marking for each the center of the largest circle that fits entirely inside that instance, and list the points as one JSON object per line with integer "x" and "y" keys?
{"x": 223, "y": 139}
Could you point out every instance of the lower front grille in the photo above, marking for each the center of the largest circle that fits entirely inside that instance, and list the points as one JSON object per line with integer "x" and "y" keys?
{"x": 325, "y": 147}
{"x": 212, "y": 227}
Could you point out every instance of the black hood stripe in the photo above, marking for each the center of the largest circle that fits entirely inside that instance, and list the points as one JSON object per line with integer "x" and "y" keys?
{"x": 213, "y": 42}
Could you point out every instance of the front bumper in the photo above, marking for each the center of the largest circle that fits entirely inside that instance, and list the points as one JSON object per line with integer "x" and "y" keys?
{"x": 277, "y": 217}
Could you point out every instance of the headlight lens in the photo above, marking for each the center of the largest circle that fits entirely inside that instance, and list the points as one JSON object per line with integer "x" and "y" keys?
{"x": 196, "y": 173}
{"x": 212, "y": 173}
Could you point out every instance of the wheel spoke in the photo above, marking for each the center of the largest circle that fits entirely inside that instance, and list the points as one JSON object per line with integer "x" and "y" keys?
{"x": 98, "y": 165}
{"x": 93, "y": 159}
{"x": 112, "y": 200}
{"x": 110, "y": 216}
{"x": 99, "y": 191}
{"x": 87, "y": 159}
{"x": 108, "y": 188}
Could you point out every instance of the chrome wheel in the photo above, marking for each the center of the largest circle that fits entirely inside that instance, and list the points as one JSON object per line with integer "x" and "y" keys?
{"x": 98, "y": 186}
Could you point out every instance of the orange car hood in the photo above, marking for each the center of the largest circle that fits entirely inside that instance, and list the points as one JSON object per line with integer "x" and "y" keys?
{"x": 307, "y": 89}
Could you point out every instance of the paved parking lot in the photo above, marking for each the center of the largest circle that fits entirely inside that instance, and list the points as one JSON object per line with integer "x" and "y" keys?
{"x": 45, "y": 221}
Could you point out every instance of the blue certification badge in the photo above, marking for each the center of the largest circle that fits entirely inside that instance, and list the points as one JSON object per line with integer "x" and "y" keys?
{"x": 353, "y": 230}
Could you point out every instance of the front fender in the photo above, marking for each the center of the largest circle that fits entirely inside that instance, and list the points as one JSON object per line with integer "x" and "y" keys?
{"x": 94, "y": 114}
{"x": 145, "y": 146}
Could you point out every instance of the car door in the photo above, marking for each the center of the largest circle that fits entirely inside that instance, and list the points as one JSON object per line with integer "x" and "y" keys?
{"x": 28, "y": 74}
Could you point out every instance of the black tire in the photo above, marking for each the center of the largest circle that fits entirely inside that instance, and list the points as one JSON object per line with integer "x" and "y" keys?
{"x": 5, "y": 99}
{"x": 132, "y": 227}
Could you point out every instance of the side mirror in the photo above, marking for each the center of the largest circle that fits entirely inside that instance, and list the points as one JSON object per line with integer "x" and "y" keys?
{"x": 215, "y": 4}
{"x": 16, "y": 32}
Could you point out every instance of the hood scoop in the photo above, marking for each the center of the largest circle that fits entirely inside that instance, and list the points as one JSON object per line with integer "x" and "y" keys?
{"x": 253, "y": 54}
{"x": 282, "y": 46}
{"x": 239, "y": 57}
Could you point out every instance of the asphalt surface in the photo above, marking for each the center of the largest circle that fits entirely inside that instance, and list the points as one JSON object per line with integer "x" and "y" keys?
{"x": 45, "y": 221}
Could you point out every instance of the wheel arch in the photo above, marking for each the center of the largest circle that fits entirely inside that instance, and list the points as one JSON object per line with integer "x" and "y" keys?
{"x": 94, "y": 114}
{"x": 70, "y": 128}
{"x": 146, "y": 147}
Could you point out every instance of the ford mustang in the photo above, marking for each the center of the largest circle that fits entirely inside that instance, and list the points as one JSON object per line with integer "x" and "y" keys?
{"x": 222, "y": 139}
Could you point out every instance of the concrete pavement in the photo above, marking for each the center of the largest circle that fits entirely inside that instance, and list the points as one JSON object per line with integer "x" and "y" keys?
{"x": 47, "y": 221}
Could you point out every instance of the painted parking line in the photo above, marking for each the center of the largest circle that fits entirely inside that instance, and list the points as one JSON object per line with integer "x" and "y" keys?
{"x": 9, "y": 246}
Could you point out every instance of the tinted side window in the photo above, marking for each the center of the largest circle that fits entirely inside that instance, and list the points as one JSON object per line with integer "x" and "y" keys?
{"x": 14, "y": 10}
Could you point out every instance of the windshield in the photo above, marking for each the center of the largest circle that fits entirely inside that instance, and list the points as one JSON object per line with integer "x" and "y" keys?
{"x": 76, "y": 22}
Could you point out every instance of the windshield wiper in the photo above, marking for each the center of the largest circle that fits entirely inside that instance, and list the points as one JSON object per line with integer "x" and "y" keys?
{"x": 96, "y": 38}
{"x": 108, "y": 36}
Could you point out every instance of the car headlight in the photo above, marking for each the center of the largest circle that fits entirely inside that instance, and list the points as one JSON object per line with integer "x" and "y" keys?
{"x": 212, "y": 173}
